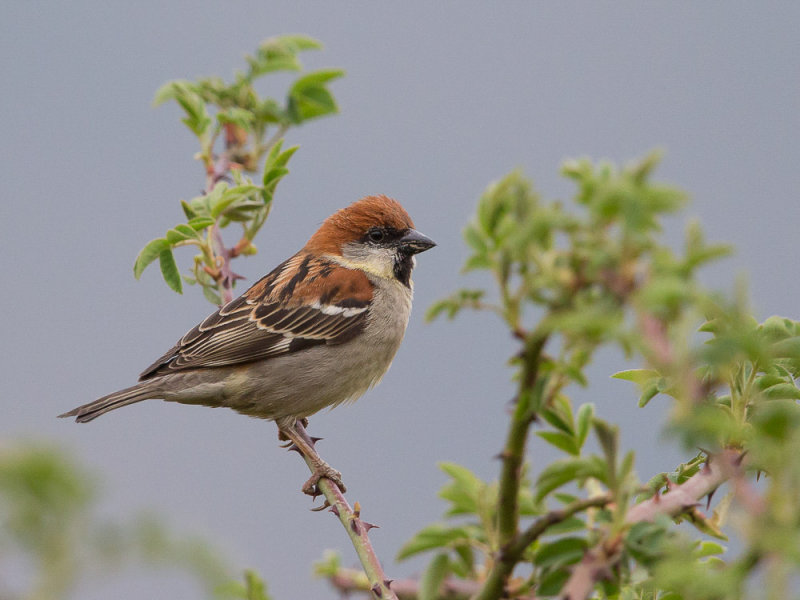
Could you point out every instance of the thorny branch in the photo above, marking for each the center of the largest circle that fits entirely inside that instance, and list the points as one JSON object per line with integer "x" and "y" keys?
{"x": 597, "y": 562}
{"x": 356, "y": 530}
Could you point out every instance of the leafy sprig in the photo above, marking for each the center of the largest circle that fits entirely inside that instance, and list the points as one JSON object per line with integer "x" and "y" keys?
{"x": 236, "y": 129}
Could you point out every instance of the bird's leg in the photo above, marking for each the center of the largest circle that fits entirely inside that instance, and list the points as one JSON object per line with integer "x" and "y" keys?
{"x": 300, "y": 440}
{"x": 282, "y": 437}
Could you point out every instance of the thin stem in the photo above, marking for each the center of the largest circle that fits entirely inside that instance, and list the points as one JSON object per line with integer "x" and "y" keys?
{"x": 357, "y": 532}
{"x": 226, "y": 275}
{"x": 513, "y": 553}
{"x": 511, "y": 472}
{"x": 540, "y": 525}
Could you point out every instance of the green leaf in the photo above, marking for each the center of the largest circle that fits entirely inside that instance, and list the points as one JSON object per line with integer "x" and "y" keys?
{"x": 211, "y": 295}
{"x": 235, "y": 196}
{"x": 649, "y": 392}
{"x": 560, "y": 419}
{"x": 237, "y": 116}
{"x": 475, "y": 262}
{"x": 782, "y": 391}
{"x": 148, "y": 254}
{"x": 708, "y": 548}
{"x": 560, "y": 440}
{"x": 561, "y": 472}
{"x": 433, "y": 577}
{"x": 453, "y": 305}
{"x": 280, "y": 54}
{"x": 608, "y": 436}
{"x": 188, "y": 210}
{"x": 198, "y": 223}
{"x": 464, "y": 491}
{"x": 463, "y": 564}
{"x": 570, "y": 525}
{"x": 309, "y": 98}
{"x": 170, "y": 91}
{"x": 181, "y": 233}
{"x": 475, "y": 240}
{"x": 565, "y": 551}
{"x": 640, "y": 377}
{"x": 185, "y": 94}
{"x": 551, "y": 583}
{"x": 169, "y": 270}
{"x": 584, "y": 423}
{"x": 255, "y": 588}
{"x": 434, "y": 536}
{"x": 275, "y": 169}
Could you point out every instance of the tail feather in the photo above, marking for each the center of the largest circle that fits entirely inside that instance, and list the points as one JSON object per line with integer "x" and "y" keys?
{"x": 89, "y": 412}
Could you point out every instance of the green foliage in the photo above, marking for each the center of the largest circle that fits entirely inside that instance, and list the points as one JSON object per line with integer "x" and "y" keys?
{"x": 50, "y": 524}
{"x": 231, "y": 122}
{"x": 569, "y": 282}
{"x": 252, "y": 588}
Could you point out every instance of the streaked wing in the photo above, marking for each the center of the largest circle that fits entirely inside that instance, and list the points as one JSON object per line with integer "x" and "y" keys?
{"x": 303, "y": 302}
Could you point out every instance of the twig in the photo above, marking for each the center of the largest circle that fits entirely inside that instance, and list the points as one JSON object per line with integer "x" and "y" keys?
{"x": 598, "y": 561}
{"x": 357, "y": 532}
{"x": 511, "y": 554}
{"x": 540, "y": 525}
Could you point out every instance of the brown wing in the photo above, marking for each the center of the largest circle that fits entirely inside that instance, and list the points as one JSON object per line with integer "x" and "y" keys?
{"x": 303, "y": 302}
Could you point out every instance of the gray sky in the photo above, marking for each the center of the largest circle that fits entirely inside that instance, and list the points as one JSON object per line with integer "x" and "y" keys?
{"x": 439, "y": 99}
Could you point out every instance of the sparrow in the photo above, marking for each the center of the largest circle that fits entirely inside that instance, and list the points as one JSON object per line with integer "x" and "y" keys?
{"x": 319, "y": 330}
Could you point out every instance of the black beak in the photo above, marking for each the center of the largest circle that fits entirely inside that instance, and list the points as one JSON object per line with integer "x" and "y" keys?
{"x": 413, "y": 242}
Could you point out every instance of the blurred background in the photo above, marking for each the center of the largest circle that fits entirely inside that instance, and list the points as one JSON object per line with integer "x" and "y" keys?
{"x": 439, "y": 99}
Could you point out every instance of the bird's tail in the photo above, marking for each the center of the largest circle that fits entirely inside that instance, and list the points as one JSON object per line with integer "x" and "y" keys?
{"x": 89, "y": 412}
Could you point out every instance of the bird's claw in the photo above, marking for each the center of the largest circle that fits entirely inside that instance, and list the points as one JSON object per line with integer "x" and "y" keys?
{"x": 310, "y": 487}
{"x": 325, "y": 505}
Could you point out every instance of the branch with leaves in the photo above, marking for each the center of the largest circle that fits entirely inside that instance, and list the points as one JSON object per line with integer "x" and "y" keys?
{"x": 236, "y": 129}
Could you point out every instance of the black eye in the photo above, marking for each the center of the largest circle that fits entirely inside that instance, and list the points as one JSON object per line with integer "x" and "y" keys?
{"x": 376, "y": 235}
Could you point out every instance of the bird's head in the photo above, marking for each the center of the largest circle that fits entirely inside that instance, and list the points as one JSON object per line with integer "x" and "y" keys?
{"x": 375, "y": 235}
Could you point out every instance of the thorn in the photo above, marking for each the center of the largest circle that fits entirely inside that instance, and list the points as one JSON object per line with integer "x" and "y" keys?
{"x": 376, "y": 589}
{"x": 357, "y": 508}
{"x": 605, "y": 573}
{"x": 707, "y": 466}
{"x": 738, "y": 460}
{"x": 704, "y": 451}
{"x": 503, "y": 455}
{"x": 708, "y": 501}
{"x": 368, "y": 526}
{"x": 388, "y": 582}
{"x": 335, "y": 510}
{"x": 354, "y": 526}
{"x": 316, "y": 493}
{"x": 669, "y": 485}
{"x": 758, "y": 475}
{"x": 325, "y": 505}
{"x": 511, "y": 405}
{"x": 293, "y": 448}
{"x": 314, "y": 440}
{"x": 657, "y": 497}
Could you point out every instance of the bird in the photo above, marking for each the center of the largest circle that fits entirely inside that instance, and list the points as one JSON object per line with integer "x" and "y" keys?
{"x": 319, "y": 330}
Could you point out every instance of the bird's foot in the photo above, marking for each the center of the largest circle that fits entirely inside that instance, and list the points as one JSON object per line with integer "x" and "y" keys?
{"x": 323, "y": 470}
